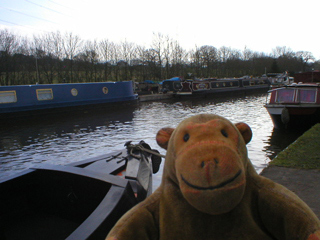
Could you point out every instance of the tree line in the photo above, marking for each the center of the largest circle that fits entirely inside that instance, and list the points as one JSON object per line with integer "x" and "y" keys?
{"x": 66, "y": 58}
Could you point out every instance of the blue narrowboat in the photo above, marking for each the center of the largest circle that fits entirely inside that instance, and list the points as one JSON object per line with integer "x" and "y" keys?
{"x": 27, "y": 99}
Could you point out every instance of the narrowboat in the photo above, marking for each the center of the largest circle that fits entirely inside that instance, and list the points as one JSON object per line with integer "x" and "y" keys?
{"x": 294, "y": 106}
{"x": 78, "y": 201}
{"x": 24, "y": 100}
{"x": 279, "y": 79}
{"x": 215, "y": 86}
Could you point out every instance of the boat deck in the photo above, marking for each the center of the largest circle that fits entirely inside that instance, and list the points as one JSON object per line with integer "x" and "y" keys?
{"x": 45, "y": 224}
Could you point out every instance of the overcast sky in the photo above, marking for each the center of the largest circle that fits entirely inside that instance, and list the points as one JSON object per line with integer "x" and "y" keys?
{"x": 258, "y": 25}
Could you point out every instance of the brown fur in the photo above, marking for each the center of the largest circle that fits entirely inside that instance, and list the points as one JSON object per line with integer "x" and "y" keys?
{"x": 210, "y": 190}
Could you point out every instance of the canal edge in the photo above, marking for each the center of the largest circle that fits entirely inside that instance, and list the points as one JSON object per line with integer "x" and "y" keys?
{"x": 298, "y": 168}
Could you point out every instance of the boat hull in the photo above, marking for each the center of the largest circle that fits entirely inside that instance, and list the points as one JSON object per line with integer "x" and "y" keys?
{"x": 221, "y": 87}
{"x": 293, "y": 117}
{"x": 232, "y": 90}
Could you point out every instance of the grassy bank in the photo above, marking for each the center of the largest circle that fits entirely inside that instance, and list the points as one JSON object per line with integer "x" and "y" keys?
{"x": 304, "y": 153}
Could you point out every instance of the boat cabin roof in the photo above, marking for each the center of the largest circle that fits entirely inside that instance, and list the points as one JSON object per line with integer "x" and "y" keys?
{"x": 300, "y": 84}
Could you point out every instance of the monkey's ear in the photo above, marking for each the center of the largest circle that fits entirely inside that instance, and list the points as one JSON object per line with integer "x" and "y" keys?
{"x": 163, "y": 137}
{"x": 245, "y": 131}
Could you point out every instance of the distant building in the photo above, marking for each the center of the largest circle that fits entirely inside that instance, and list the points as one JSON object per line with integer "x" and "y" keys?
{"x": 307, "y": 77}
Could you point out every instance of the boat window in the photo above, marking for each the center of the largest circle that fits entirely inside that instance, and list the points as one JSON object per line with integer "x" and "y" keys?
{"x": 307, "y": 95}
{"x": 285, "y": 95}
{"x": 8, "y": 96}
{"x": 105, "y": 90}
{"x": 74, "y": 92}
{"x": 44, "y": 94}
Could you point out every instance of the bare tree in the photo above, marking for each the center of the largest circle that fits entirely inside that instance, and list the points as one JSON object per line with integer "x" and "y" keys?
{"x": 9, "y": 43}
{"x": 167, "y": 48}
{"x": 115, "y": 54}
{"x": 48, "y": 50}
{"x": 225, "y": 53}
{"x": 208, "y": 55}
{"x": 38, "y": 51}
{"x": 128, "y": 51}
{"x": 158, "y": 48}
{"x": 152, "y": 57}
{"x": 142, "y": 62}
{"x": 179, "y": 58}
{"x": 196, "y": 61}
{"x": 56, "y": 48}
{"x": 71, "y": 47}
{"x": 304, "y": 57}
{"x": 282, "y": 51}
{"x": 24, "y": 63}
{"x": 105, "y": 47}
{"x": 246, "y": 54}
{"x": 88, "y": 60}
{"x": 60, "y": 57}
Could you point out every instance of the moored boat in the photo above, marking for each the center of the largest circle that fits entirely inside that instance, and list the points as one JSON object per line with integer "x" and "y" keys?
{"x": 295, "y": 106}
{"x": 82, "y": 200}
{"x": 25, "y": 100}
{"x": 279, "y": 79}
{"x": 215, "y": 86}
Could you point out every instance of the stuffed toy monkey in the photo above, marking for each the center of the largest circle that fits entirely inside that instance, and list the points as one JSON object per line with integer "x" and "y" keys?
{"x": 210, "y": 190}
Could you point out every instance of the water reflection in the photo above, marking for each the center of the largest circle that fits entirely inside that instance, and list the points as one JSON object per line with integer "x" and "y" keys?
{"x": 279, "y": 140}
{"x": 72, "y": 137}
{"x": 60, "y": 139}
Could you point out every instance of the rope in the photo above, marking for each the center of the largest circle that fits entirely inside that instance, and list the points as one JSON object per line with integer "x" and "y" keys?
{"x": 144, "y": 147}
{"x": 152, "y": 152}
{"x": 140, "y": 147}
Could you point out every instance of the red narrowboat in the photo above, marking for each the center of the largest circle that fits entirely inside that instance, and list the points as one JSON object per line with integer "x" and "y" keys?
{"x": 294, "y": 106}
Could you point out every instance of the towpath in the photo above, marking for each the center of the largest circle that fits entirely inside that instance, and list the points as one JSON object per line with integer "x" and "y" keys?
{"x": 298, "y": 168}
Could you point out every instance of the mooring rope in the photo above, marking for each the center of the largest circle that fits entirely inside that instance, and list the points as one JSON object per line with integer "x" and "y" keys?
{"x": 133, "y": 147}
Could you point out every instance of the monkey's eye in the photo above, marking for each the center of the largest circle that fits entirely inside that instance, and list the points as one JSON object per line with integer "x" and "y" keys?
{"x": 186, "y": 137}
{"x": 224, "y": 133}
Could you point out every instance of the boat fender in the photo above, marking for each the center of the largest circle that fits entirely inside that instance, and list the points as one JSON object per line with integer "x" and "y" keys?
{"x": 155, "y": 158}
{"x": 156, "y": 161}
{"x": 144, "y": 145}
{"x": 285, "y": 117}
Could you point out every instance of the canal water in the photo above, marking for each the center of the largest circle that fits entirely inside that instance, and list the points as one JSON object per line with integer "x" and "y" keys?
{"x": 62, "y": 139}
